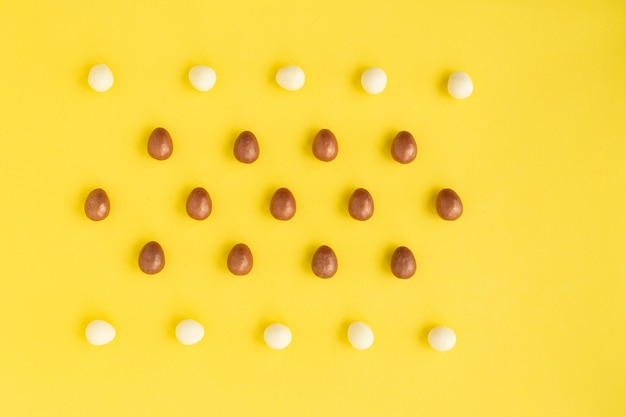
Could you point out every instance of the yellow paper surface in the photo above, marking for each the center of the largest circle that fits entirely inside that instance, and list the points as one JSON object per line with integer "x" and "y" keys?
{"x": 532, "y": 277}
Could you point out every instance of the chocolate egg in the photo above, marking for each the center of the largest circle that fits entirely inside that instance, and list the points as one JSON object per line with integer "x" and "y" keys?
{"x": 324, "y": 262}
{"x": 325, "y": 145}
{"x": 199, "y": 204}
{"x": 449, "y": 205}
{"x": 246, "y": 147}
{"x": 361, "y": 204}
{"x": 403, "y": 263}
{"x": 239, "y": 259}
{"x": 404, "y": 148}
{"x": 160, "y": 144}
{"x": 97, "y": 205}
{"x": 283, "y": 204}
{"x": 151, "y": 258}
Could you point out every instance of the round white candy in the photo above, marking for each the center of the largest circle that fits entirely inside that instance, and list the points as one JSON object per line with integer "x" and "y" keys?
{"x": 442, "y": 338}
{"x": 277, "y": 336}
{"x": 202, "y": 77}
{"x": 460, "y": 85}
{"x": 374, "y": 80}
{"x": 360, "y": 335}
{"x": 99, "y": 333}
{"x": 100, "y": 78}
{"x": 290, "y": 78}
{"x": 189, "y": 332}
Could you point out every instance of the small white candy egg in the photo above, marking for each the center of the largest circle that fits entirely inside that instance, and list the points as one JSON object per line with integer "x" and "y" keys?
{"x": 460, "y": 85}
{"x": 189, "y": 332}
{"x": 442, "y": 338}
{"x": 202, "y": 77}
{"x": 99, "y": 332}
{"x": 291, "y": 77}
{"x": 100, "y": 78}
{"x": 374, "y": 80}
{"x": 277, "y": 336}
{"x": 360, "y": 335}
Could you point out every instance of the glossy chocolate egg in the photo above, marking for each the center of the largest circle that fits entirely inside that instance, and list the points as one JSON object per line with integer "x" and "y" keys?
{"x": 199, "y": 205}
{"x": 361, "y": 204}
{"x": 160, "y": 145}
{"x": 246, "y": 147}
{"x": 97, "y": 205}
{"x": 449, "y": 205}
{"x": 283, "y": 204}
{"x": 151, "y": 258}
{"x": 324, "y": 263}
{"x": 403, "y": 263}
{"x": 239, "y": 259}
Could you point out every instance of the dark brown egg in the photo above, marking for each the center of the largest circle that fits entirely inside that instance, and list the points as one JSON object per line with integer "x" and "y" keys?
{"x": 151, "y": 258}
{"x": 361, "y": 204}
{"x": 404, "y": 148}
{"x": 324, "y": 262}
{"x": 199, "y": 204}
{"x": 239, "y": 259}
{"x": 160, "y": 144}
{"x": 97, "y": 205}
{"x": 403, "y": 263}
{"x": 246, "y": 148}
{"x": 283, "y": 204}
{"x": 325, "y": 145}
{"x": 449, "y": 205}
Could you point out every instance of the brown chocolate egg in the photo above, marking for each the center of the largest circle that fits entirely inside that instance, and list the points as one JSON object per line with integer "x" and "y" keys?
{"x": 160, "y": 144}
{"x": 246, "y": 148}
{"x": 449, "y": 205}
{"x": 97, "y": 205}
{"x": 403, "y": 263}
{"x": 324, "y": 263}
{"x": 239, "y": 260}
{"x": 325, "y": 147}
{"x": 199, "y": 204}
{"x": 151, "y": 258}
{"x": 404, "y": 148}
{"x": 361, "y": 204}
{"x": 283, "y": 204}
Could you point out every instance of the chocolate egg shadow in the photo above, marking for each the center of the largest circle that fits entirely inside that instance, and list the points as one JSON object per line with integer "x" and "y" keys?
{"x": 343, "y": 203}
{"x": 385, "y": 148}
{"x": 307, "y": 258}
{"x": 135, "y": 251}
{"x": 81, "y": 199}
{"x": 181, "y": 201}
{"x": 385, "y": 260}
{"x": 430, "y": 204}
{"x": 265, "y": 202}
{"x": 221, "y": 258}
{"x": 307, "y": 143}
{"x": 228, "y": 147}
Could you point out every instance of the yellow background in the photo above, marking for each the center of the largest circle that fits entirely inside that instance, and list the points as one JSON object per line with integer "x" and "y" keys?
{"x": 532, "y": 277}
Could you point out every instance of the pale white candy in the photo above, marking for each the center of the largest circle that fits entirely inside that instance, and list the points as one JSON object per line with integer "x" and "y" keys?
{"x": 100, "y": 78}
{"x": 290, "y": 78}
{"x": 360, "y": 335}
{"x": 99, "y": 333}
{"x": 189, "y": 332}
{"x": 442, "y": 338}
{"x": 277, "y": 336}
{"x": 202, "y": 77}
{"x": 374, "y": 80}
{"x": 460, "y": 85}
